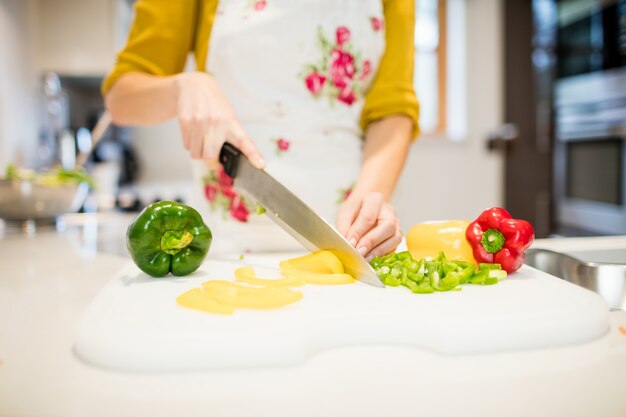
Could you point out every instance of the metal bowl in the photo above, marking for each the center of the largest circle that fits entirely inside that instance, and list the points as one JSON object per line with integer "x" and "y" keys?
{"x": 22, "y": 200}
{"x": 606, "y": 279}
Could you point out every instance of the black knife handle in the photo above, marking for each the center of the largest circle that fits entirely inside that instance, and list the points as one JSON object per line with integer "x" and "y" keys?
{"x": 229, "y": 158}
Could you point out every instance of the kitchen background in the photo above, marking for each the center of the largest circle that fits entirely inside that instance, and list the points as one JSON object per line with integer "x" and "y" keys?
{"x": 523, "y": 105}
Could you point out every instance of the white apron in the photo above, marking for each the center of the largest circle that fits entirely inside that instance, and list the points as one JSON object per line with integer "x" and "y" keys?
{"x": 296, "y": 73}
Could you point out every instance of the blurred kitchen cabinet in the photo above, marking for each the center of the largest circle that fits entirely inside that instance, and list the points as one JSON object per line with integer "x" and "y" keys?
{"x": 80, "y": 37}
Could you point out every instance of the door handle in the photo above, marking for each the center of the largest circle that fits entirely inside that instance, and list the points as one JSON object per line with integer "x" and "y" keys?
{"x": 504, "y": 135}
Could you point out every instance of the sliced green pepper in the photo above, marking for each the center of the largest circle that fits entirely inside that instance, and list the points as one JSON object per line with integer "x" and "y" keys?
{"x": 168, "y": 237}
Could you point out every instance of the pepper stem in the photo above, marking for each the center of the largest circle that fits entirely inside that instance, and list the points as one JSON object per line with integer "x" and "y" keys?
{"x": 173, "y": 241}
{"x": 492, "y": 240}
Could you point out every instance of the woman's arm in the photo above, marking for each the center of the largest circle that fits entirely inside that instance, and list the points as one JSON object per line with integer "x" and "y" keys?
{"x": 366, "y": 218}
{"x": 147, "y": 85}
{"x": 386, "y": 147}
{"x": 205, "y": 117}
{"x": 390, "y": 120}
{"x": 142, "y": 99}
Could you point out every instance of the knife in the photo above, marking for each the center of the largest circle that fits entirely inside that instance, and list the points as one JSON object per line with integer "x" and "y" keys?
{"x": 293, "y": 215}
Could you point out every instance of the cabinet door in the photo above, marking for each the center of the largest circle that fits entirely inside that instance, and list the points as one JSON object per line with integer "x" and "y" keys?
{"x": 79, "y": 37}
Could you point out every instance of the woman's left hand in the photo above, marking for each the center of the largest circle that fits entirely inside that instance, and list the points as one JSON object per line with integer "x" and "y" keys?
{"x": 370, "y": 224}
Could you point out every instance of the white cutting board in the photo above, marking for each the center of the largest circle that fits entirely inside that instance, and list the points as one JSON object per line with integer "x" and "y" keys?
{"x": 135, "y": 324}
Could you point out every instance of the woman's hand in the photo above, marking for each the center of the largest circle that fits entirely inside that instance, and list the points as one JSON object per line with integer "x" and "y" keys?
{"x": 207, "y": 120}
{"x": 370, "y": 224}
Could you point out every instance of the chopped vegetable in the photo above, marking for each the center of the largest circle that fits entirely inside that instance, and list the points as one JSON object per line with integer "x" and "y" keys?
{"x": 321, "y": 268}
{"x": 428, "y": 239}
{"x": 198, "y": 299}
{"x": 622, "y": 329}
{"x": 321, "y": 262}
{"x": 223, "y": 297}
{"x": 495, "y": 237}
{"x": 428, "y": 275}
{"x": 242, "y": 296}
{"x": 321, "y": 279}
{"x": 168, "y": 237}
{"x": 246, "y": 274}
{"x": 259, "y": 209}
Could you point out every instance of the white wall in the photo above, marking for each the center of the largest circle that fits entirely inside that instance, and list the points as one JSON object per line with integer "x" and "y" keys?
{"x": 444, "y": 180}
{"x": 18, "y": 129}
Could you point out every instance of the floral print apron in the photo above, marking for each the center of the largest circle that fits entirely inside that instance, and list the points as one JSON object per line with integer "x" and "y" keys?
{"x": 296, "y": 73}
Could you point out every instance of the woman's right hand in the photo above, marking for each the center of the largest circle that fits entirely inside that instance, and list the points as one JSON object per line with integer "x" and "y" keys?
{"x": 207, "y": 120}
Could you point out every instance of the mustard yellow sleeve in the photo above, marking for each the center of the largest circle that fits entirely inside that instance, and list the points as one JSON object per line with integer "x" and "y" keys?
{"x": 160, "y": 39}
{"x": 392, "y": 90}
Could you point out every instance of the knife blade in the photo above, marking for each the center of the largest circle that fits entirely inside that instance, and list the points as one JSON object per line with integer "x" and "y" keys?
{"x": 293, "y": 215}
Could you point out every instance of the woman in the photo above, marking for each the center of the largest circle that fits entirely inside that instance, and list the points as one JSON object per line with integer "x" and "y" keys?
{"x": 319, "y": 92}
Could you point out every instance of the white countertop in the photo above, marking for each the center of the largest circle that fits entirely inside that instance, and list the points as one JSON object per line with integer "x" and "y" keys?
{"x": 48, "y": 279}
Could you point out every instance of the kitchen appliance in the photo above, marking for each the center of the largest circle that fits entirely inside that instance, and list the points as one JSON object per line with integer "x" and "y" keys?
{"x": 605, "y": 278}
{"x": 134, "y": 324}
{"x": 289, "y": 212}
{"x": 590, "y": 101}
{"x": 589, "y": 153}
{"x": 591, "y": 36}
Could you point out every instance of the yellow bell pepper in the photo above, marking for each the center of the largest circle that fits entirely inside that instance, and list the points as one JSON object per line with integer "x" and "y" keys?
{"x": 428, "y": 239}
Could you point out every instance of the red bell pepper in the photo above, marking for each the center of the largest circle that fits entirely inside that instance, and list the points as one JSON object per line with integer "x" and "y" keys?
{"x": 497, "y": 238}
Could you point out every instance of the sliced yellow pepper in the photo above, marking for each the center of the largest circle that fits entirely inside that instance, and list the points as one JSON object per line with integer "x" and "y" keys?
{"x": 223, "y": 297}
{"x": 321, "y": 268}
{"x": 242, "y": 296}
{"x": 320, "y": 279}
{"x": 246, "y": 274}
{"x": 321, "y": 262}
{"x": 197, "y": 299}
{"x": 428, "y": 239}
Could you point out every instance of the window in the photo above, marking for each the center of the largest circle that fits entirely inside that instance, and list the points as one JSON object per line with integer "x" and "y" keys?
{"x": 440, "y": 66}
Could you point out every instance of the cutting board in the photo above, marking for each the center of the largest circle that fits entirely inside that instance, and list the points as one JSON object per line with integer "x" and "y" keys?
{"x": 134, "y": 324}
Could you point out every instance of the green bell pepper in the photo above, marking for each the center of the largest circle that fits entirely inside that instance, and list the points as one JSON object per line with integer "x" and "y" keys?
{"x": 168, "y": 237}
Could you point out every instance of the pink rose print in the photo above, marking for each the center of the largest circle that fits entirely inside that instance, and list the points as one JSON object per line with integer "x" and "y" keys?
{"x": 377, "y": 23}
{"x": 314, "y": 82}
{"x": 342, "y": 35}
{"x": 210, "y": 191}
{"x": 229, "y": 192}
{"x": 341, "y": 68}
{"x": 344, "y": 193}
{"x": 255, "y": 5}
{"x": 347, "y": 96}
{"x": 239, "y": 211}
{"x": 366, "y": 69}
{"x": 340, "y": 73}
{"x": 282, "y": 145}
{"x": 219, "y": 191}
{"x": 223, "y": 179}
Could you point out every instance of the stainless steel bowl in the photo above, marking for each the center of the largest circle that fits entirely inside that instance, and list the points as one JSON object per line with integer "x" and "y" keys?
{"x": 606, "y": 279}
{"x": 22, "y": 200}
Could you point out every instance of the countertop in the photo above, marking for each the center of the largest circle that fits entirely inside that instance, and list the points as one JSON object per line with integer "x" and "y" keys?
{"x": 48, "y": 277}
